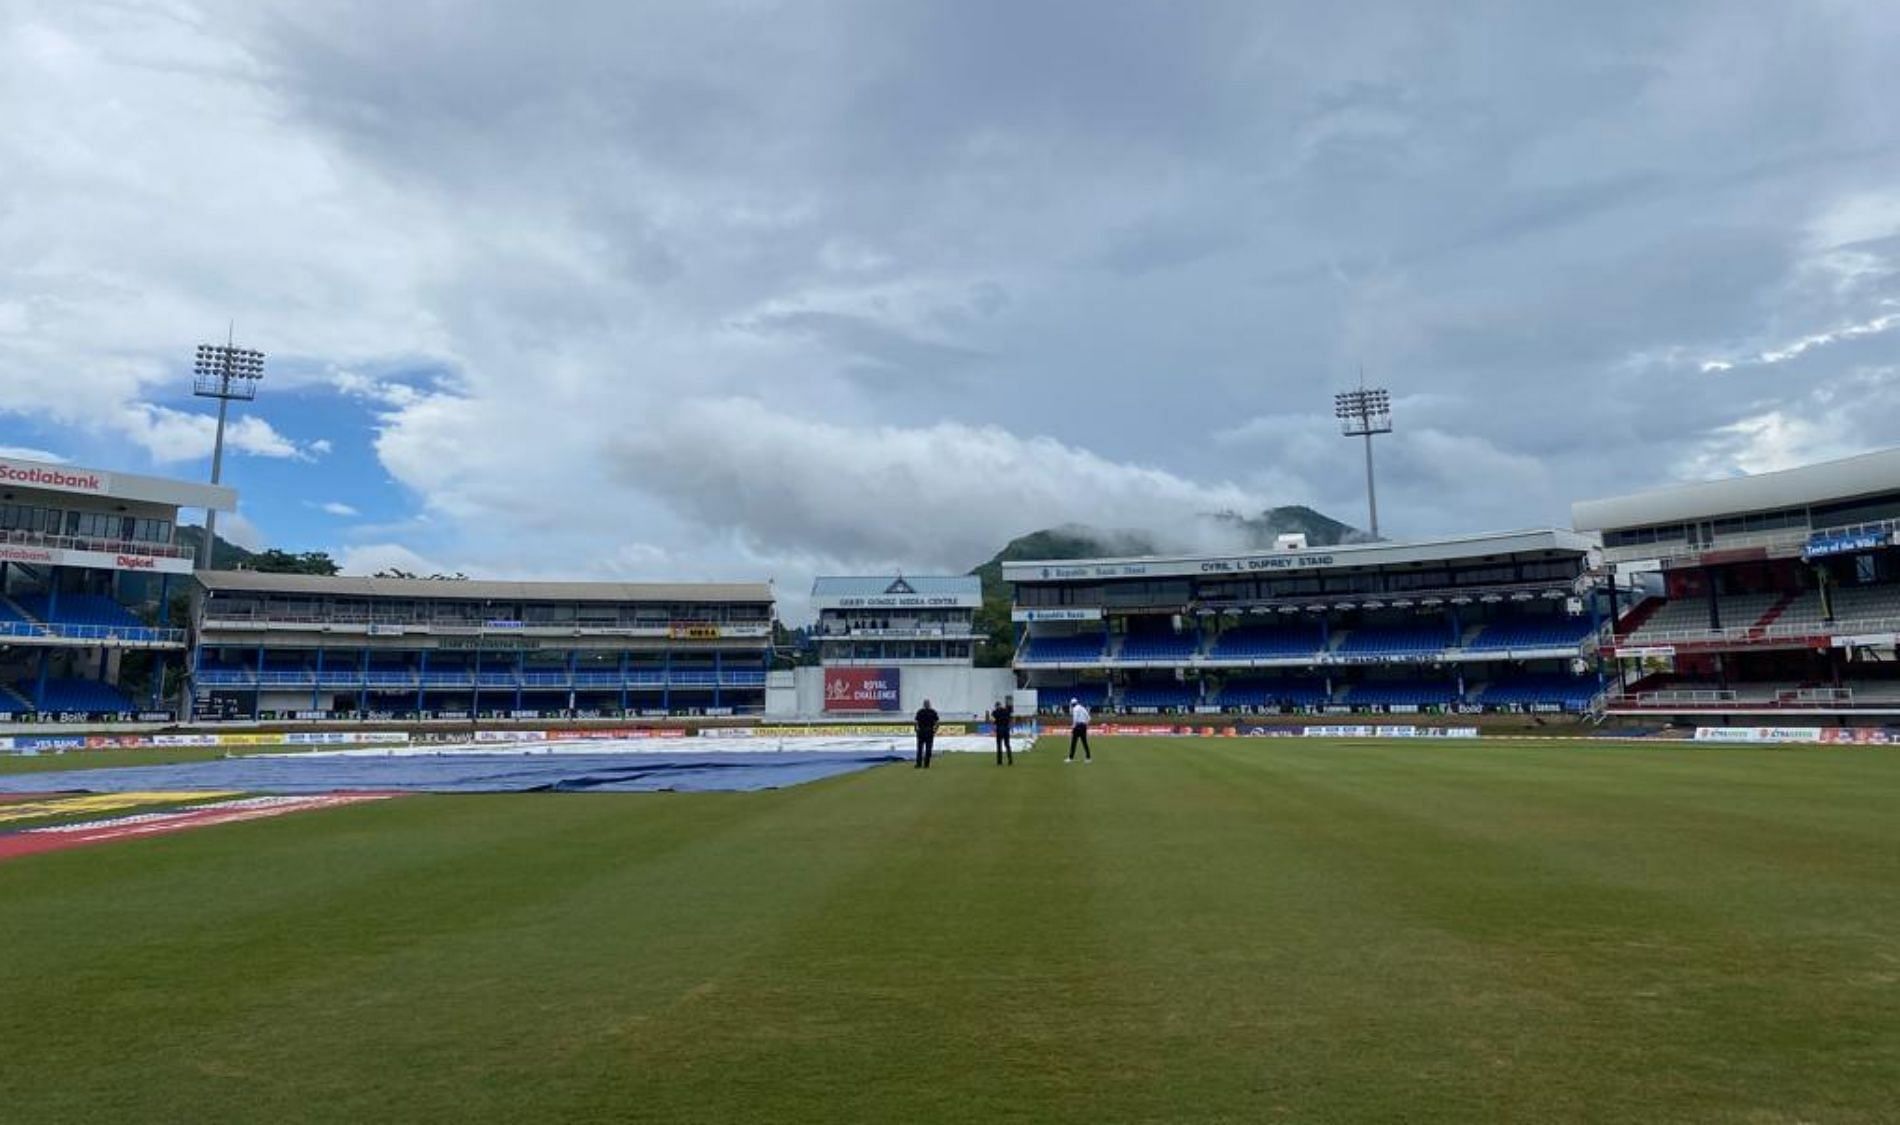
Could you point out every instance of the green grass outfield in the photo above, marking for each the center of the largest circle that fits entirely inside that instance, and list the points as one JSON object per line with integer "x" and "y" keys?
{"x": 1185, "y": 930}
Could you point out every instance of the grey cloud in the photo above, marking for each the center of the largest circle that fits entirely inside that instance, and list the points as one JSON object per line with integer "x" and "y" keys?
{"x": 1066, "y": 241}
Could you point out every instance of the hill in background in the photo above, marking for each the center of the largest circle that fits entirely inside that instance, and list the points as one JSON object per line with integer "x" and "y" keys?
{"x": 1075, "y": 541}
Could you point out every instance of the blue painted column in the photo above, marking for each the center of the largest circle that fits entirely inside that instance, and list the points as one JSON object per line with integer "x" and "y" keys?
{"x": 52, "y": 593}
{"x": 257, "y": 686}
{"x": 316, "y": 685}
{"x": 521, "y": 669}
{"x": 717, "y": 673}
{"x": 573, "y": 665}
{"x": 39, "y": 688}
{"x": 623, "y": 681}
{"x": 362, "y": 688}
{"x": 666, "y": 681}
{"x": 422, "y": 679}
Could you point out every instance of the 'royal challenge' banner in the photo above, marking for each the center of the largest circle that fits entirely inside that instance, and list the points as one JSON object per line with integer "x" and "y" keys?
{"x": 861, "y": 689}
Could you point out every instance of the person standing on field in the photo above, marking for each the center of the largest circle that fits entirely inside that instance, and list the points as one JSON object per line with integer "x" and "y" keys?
{"x": 1079, "y": 732}
{"x": 926, "y": 722}
{"x": 1000, "y": 717}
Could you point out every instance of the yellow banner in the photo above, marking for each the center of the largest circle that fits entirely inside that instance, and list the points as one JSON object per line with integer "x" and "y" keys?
{"x": 97, "y": 803}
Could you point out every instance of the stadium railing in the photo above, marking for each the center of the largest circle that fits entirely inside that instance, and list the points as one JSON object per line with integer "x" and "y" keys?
{"x": 105, "y": 546}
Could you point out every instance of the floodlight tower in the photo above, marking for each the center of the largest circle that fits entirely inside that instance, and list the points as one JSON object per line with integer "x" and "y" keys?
{"x": 224, "y": 372}
{"x": 1363, "y": 413}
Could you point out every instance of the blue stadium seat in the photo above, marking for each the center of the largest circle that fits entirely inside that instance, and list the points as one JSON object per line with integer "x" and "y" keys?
{"x": 1268, "y": 642}
{"x": 1396, "y": 640}
{"x": 1178, "y": 697}
{"x": 1055, "y": 697}
{"x": 1550, "y": 631}
{"x": 1292, "y": 692}
{"x": 1064, "y": 649}
{"x": 70, "y": 694}
{"x": 1160, "y": 646}
{"x": 1572, "y": 693}
{"x": 80, "y": 609}
{"x": 1403, "y": 693}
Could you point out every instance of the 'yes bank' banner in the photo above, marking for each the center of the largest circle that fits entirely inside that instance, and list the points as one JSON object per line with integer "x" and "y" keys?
{"x": 861, "y": 689}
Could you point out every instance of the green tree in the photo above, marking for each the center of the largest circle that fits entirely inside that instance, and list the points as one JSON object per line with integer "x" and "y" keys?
{"x": 275, "y": 561}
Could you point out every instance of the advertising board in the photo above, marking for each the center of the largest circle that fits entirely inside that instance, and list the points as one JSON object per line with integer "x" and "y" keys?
{"x": 861, "y": 689}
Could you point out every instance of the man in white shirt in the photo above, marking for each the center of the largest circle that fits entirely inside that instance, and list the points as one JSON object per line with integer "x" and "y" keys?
{"x": 1079, "y": 733}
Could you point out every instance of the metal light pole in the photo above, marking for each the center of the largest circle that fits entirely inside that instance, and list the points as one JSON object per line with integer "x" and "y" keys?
{"x": 1363, "y": 413}
{"x": 223, "y": 372}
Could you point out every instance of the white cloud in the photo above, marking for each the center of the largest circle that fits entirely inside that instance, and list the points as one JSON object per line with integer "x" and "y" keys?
{"x": 337, "y": 508}
{"x": 370, "y": 558}
{"x": 237, "y": 528}
{"x": 945, "y": 495}
{"x": 25, "y": 453}
{"x": 645, "y": 292}
{"x": 1765, "y": 443}
{"x": 176, "y": 435}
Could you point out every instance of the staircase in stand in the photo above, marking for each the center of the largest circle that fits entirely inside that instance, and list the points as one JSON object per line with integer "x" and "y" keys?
{"x": 1760, "y": 628}
{"x": 1636, "y": 618}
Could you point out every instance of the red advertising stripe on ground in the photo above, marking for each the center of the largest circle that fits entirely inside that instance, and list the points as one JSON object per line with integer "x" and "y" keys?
{"x": 59, "y": 837}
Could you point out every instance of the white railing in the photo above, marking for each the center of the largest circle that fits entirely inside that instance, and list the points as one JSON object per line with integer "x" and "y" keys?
{"x": 1756, "y": 634}
{"x": 1681, "y": 696}
{"x": 1789, "y": 539}
{"x": 94, "y": 543}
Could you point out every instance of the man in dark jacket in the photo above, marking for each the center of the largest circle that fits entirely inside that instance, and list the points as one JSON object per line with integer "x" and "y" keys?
{"x": 1001, "y": 716}
{"x": 926, "y": 721}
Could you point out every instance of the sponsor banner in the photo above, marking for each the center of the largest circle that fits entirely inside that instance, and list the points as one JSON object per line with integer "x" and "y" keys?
{"x": 1865, "y": 640}
{"x": 615, "y": 734}
{"x": 99, "y": 803}
{"x": 58, "y": 837}
{"x": 1016, "y": 730}
{"x": 1261, "y": 730}
{"x": 117, "y": 741}
{"x": 27, "y": 474}
{"x": 92, "y": 560}
{"x": 846, "y": 730}
{"x": 57, "y": 743}
{"x": 1390, "y": 732}
{"x": 1379, "y": 658}
{"x": 376, "y": 630}
{"x": 511, "y": 736}
{"x": 726, "y": 732}
{"x": 692, "y": 631}
{"x": 1821, "y": 545}
{"x": 343, "y": 738}
{"x": 1639, "y": 652}
{"x": 184, "y": 740}
{"x": 1758, "y": 735}
{"x": 861, "y": 689}
{"x": 1077, "y": 613}
{"x": 1858, "y": 736}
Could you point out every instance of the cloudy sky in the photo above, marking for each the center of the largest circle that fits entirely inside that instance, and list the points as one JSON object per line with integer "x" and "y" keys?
{"x": 735, "y": 288}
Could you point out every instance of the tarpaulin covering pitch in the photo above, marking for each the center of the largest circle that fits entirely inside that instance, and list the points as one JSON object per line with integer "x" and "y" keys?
{"x": 450, "y": 772}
